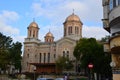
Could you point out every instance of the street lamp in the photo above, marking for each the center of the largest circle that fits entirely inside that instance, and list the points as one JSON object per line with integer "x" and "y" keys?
{"x": 34, "y": 71}
{"x": 90, "y": 66}
{"x": 113, "y": 64}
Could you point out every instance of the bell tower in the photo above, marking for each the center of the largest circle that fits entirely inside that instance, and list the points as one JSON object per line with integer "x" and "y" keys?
{"x": 33, "y": 30}
{"x": 30, "y": 47}
{"x": 73, "y": 27}
{"x": 49, "y": 37}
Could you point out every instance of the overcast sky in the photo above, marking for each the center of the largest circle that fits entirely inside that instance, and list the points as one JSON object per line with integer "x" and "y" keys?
{"x": 16, "y": 15}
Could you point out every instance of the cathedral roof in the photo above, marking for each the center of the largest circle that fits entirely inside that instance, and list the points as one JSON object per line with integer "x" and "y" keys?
{"x": 33, "y": 24}
{"x": 49, "y": 34}
{"x": 72, "y": 17}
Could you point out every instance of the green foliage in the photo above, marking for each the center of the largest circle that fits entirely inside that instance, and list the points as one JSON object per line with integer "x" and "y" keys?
{"x": 88, "y": 50}
{"x": 104, "y": 39}
{"x": 63, "y": 63}
{"x": 9, "y": 52}
{"x": 5, "y": 44}
{"x": 15, "y": 54}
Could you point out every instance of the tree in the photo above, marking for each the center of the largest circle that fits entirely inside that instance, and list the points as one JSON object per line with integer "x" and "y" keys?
{"x": 63, "y": 63}
{"x": 9, "y": 53}
{"x": 5, "y": 44}
{"x": 105, "y": 39}
{"x": 89, "y": 50}
{"x": 15, "y": 55}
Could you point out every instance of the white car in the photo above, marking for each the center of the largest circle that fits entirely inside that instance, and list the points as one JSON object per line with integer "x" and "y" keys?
{"x": 59, "y": 79}
{"x": 45, "y": 79}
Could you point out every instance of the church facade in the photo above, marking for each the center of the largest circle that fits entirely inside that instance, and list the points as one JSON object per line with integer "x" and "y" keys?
{"x": 42, "y": 55}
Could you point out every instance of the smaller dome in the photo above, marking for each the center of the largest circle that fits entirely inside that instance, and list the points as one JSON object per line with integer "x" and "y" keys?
{"x": 72, "y": 17}
{"x": 49, "y": 34}
{"x": 33, "y": 24}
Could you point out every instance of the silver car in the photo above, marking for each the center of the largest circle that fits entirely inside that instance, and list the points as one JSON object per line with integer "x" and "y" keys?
{"x": 59, "y": 79}
{"x": 45, "y": 79}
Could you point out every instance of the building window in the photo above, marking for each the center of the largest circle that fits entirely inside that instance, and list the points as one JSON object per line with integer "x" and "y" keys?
{"x": 40, "y": 57}
{"x": 111, "y": 4}
{"x": 76, "y": 30}
{"x": 44, "y": 57}
{"x": 27, "y": 55}
{"x": 70, "y": 30}
{"x": 114, "y": 3}
{"x": 35, "y": 56}
{"x": 118, "y": 2}
{"x": 30, "y": 33}
{"x": 63, "y": 53}
{"x": 27, "y": 64}
{"x": 65, "y": 32}
{"x": 54, "y": 55}
{"x": 67, "y": 54}
{"x": 48, "y": 57}
{"x": 50, "y": 40}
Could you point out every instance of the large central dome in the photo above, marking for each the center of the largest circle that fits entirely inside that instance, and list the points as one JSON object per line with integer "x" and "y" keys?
{"x": 72, "y": 17}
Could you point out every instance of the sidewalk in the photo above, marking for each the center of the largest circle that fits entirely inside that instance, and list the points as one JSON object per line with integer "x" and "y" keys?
{"x": 4, "y": 77}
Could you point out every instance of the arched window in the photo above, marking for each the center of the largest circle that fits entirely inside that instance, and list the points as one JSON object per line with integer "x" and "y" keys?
{"x": 30, "y": 33}
{"x": 27, "y": 63}
{"x": 65, "y": 32}
{"x": 28, "y": 55}
{"x": 63, "y": 53}
{"x": 70, "y": 30}
{"x": 48, "y": 57}
{"x": 40, "y": 57}
{"x": 54, "y": 55}
{"x": 35, "y": 56}
{"x": 68, "y": 54}
{"x": 76, "y": 30}
{"x": 44, "y": 57}
{"x": 33, "y": 33}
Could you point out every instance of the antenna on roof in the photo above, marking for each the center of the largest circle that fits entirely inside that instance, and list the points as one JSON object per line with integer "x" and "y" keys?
{"x": 49, "y": 30}
{"x": 73, "y": 11}
{"x": 33, "y": 19}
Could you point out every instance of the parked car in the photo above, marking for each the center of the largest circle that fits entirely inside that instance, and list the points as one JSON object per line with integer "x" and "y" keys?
{"x": 45, "y": 79}
{"x": 59, "y": 79}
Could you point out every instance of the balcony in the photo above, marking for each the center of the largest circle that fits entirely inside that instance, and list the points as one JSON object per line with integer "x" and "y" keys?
{"x": 28, "y": 40}
{"x": 114, "y": 16}
{"x": 106, "y": 24}
{"x": 115, "y": 44}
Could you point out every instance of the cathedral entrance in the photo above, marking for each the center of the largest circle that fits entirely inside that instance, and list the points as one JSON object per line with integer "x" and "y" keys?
{"x": 45, "y": 68}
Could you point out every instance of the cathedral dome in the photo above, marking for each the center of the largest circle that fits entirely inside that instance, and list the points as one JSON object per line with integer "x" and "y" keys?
{"x": 49, "y": 34}
{"x": 72, "y": 17}
{"x": 33, "y": 24}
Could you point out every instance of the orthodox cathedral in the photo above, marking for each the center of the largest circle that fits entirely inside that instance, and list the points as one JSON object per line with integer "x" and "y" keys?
{"x": 41, "y": 56}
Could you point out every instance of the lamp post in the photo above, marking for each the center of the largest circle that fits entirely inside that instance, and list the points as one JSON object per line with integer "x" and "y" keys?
{"x": 34, "y": 71}
{"x": 90, "y": 66}
{"x": 113, "y": 64}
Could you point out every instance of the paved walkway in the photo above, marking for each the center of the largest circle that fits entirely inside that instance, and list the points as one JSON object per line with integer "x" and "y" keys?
{"x": 4, "y": 77}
